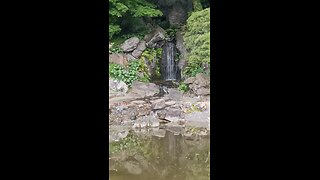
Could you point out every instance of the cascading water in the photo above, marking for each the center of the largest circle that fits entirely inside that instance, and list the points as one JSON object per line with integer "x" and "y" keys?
{"x": 169, "y": 68}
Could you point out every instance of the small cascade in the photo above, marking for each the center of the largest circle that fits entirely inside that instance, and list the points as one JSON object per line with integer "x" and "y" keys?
{"x": 169, "y": 68}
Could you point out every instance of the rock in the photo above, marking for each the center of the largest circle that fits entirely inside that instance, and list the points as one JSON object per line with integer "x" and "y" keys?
{"x": 130, "y": 57}
{"x": 170, "y": 103}
{"x": 177, "y": 15}
{"x": 130, "y": 44}
{"x": 202, "y": 80}
{"x": 158, "y": 104}
{"x": 203, "y": 91}
{"x": 156, "y": 38}
{"x": 142, "y": 89}
{"x": 144, "y": 110}
{"x": 190, "y": 80}
{"x": 117, "y": 86}
{"x": 119, "y": 58}
{"x": 202, "y": 106}
{"x": 174, "y": 94}
{"x": 173, "y": 112}
{"x": 200, "y": 85}
{"x": 180, "y": 45}
{"x": 161, "y": 114}
{"x": 140, "y": 48}
{"x": 137, "y": 102}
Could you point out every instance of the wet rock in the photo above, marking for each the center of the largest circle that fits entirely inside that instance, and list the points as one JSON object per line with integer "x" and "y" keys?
{"x": 130, "y": 44}
{"x": 140, "y": 48}
{"x": 119, "y": 58}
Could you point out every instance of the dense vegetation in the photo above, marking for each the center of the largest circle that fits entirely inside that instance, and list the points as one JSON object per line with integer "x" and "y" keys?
{"x": 197, "y": 41}
{"x": 122, "y": 10}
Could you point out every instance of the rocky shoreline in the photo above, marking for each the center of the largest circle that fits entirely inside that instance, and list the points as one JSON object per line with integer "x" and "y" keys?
{"x": 145, "y": 107}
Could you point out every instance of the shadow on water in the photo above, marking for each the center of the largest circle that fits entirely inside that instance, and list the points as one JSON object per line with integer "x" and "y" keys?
{"x": 144, "y": 157}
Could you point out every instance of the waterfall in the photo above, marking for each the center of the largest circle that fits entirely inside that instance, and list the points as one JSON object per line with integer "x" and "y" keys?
{"x": 169, "y": 67}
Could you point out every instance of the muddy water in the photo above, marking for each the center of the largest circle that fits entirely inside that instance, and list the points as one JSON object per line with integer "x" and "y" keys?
{"x": 165, "y": 156}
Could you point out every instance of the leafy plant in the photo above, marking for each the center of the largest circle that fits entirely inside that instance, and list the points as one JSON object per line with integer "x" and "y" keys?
{"x": 183, "y": 87}
{"x": 129, "y": 74}
{"x": 114, "y": 48}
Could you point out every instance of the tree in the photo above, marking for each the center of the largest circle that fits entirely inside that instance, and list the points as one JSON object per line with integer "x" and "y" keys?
{"x": 119, "y": 9}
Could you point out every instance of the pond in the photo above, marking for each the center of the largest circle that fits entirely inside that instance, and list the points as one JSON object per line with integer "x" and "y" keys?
{"x": 160, "y": 155}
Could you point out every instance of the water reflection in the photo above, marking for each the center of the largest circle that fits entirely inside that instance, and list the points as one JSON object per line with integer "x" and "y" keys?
{"x": 142, "y": 157}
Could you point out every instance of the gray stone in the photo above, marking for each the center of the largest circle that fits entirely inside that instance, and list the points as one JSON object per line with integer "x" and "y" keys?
{"x": 130, "y": 44}
{"x": 202, "y": 80}
{"x": 174, "y": 94}
{"x": 202, "y": 91}
{"x": 158, "y": 104}
{"x": 141, "y": 89}
{"x": 190, "y": 80}
{"x": 139, "y": 50}
{"x": 156, "y": 38}
{"x": 117, "y": 86}
{"x": 170, "y": 103}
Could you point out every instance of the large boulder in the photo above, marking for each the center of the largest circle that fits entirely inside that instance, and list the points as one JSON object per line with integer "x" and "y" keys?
{"x": 141, "y": 89}
{"x": 140, "y": 48}
{"x": 130, "y": 44}
{"x": 119, "y": 58}
{"x": 156, "y": 38}
{"x": 200, "y": 85}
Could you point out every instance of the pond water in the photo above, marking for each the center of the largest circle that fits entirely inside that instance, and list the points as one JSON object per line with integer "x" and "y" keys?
{"x": 145, "y": 156}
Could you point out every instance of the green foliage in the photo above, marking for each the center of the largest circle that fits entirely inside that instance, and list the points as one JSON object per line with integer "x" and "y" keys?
{"x": 119, "y": 9}
{"x": 197, "y": 41}
{"x": 171, "y": 32}
{"x": 197, "y": 5}
{"x": 114, "y": 48}
{"x": 129, "y": 74}
{"x": 183, "y": 87}
{"x": 153, "y": 54}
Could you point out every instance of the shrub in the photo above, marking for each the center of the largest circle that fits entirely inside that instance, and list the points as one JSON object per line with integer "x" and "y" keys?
{"x": 183, "y": 87}
{"x": 129, "y": 74}
{"x": 197, "y": 41}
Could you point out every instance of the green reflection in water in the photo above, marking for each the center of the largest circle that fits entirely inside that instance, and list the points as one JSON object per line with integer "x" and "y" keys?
{"x": 138, "y": 157}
